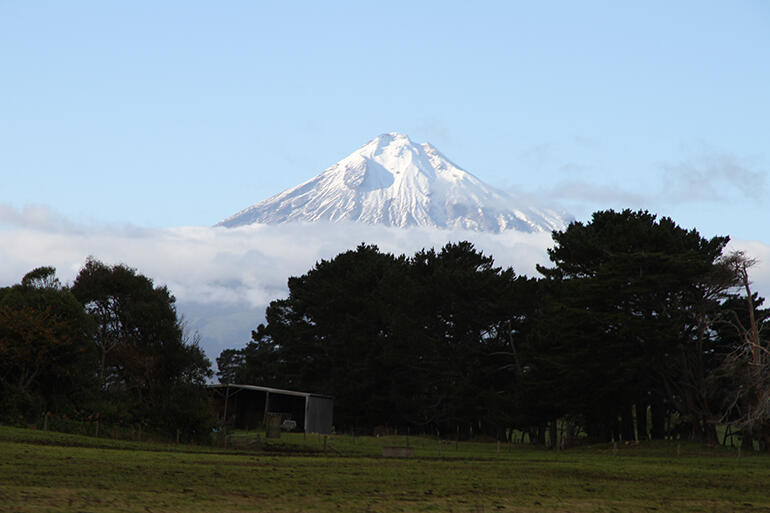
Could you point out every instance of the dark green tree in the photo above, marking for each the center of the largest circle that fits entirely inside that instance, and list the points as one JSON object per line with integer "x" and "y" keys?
{"x": 45, "y": 356}
{"x": 460, "y": 322}
{"x": 621, "y": 322}
{"x": 256, "y": 364}
{"x": 404, "y": 342}
{"x": 334, "y": 330}
{"x": 149, "y": 372}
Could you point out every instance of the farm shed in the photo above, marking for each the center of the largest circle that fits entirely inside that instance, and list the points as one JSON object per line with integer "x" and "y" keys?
{"x": 248, "y": 405}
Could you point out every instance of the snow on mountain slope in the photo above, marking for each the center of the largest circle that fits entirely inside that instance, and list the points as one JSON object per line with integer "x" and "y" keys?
{"x": 395, "y": 182}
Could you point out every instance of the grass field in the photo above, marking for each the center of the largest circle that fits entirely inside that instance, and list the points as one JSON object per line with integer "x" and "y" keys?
{"x": 43, "y": 471}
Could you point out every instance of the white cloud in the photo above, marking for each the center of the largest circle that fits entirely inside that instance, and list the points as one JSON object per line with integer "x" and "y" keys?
{"x": 224, "y": 278}
{"x": 704, "y": 177}
{"x": 33, "y": 216}
{"x": 584, "y": 192}
{"x": 712, "y": 176}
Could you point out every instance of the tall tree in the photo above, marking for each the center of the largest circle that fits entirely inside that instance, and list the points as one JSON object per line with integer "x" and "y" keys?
{"x": 461, "y": 321}
{"x": 45, "y": 357}
{"x": 744, "y": 372}
{"x": 333, "y": 332}
{"x": 625, "y": 294}
{"x": 398, "y": 341}
{"x": 145, "y": 360}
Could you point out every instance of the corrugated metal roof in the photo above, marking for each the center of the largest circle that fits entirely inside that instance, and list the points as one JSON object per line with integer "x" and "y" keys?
{"x": 269, "y": 389}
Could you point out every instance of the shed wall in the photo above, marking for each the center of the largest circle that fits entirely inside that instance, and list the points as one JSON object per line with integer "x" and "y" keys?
{"x": 319, "y": 413}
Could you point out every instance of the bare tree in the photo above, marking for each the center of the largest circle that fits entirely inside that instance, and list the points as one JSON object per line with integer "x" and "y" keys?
{"x": 748, "y": 364}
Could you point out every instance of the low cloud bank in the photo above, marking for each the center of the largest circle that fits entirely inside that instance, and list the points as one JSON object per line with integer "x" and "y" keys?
{"x": 224, "y": 278}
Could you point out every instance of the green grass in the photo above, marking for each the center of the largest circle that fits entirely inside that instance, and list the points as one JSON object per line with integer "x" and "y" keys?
{"x": 42, "y": 472}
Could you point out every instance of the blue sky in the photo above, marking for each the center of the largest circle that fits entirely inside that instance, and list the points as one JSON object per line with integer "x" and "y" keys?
{"x": 181, "y": 113}
{"x": 155, "y": 115}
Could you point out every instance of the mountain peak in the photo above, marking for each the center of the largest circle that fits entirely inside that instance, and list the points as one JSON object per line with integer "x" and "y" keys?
{"x": 393, "y": 181}
{"x": 393, "y": 137}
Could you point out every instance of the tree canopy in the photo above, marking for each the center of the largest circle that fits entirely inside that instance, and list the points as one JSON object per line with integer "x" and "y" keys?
{"x": 624, "y": 337}
{"x": 43, "y": 347}
{"x": 110, "y": 347}
{"x": 621, "y": 320}
{"x": 637, "y": 329}
{"x": 398, "y": 341}
{"x": 144, "y": 358}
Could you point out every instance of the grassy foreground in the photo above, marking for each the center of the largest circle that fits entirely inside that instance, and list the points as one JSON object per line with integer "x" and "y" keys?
{"x": 42, "y": 472}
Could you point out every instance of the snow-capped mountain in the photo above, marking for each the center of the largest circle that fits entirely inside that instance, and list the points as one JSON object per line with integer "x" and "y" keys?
{"x": 393, "y": 181}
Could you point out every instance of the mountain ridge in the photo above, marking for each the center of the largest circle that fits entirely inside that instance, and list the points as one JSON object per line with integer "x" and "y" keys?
{"x": 393, "y": 181}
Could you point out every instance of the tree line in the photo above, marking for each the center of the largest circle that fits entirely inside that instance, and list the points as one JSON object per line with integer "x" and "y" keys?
{"x": 109, "y": 349}
{"x": 637, "y": 329}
